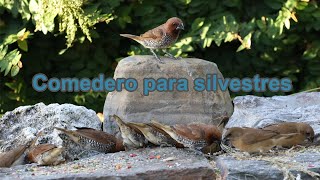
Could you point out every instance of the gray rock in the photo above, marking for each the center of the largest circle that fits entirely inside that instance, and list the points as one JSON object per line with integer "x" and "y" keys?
{"x": 23, "y": 123}
{"x": 136, "y": 164}
{"x": 253, "y": 111}
{"x": 166, "y": 107}
{"x": 303, "y": 165}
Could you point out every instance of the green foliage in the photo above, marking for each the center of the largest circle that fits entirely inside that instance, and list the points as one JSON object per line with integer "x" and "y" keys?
{"x": 65, "y": 38}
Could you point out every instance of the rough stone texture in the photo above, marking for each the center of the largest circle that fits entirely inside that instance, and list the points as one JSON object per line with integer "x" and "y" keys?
{"x": 166, "y": 107}
{"x": 136, "y": 164}
{"x": 273, "y": 167}
{"x": 22, "y": 124}
{"x": 253, "y": 111}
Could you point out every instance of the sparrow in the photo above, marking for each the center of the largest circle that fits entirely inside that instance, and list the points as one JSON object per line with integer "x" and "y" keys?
{"x": 156, "y": 135}
{"x": 160, "y": 37}
{"x": 46, "y": 155}
{"x": 253, "y": 140}
{"x": 132, "y": 137}
{"x": 193, "y": 136}
{"x": 304, "y": 132}
{"x": 16, "y": 155}
{"x": 93, "y": 139}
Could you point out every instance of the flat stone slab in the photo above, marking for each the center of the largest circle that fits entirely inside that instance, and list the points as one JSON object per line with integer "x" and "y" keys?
{"x": 287, "y": 165}
{"x": 157, "y": 163}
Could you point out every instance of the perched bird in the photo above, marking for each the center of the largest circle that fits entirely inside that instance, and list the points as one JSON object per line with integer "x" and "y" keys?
{"x": 132, "y": 137}
{"x": 46, "y": 155}
{"x": 193, "y": 136}
{"x": 16, "y": 155}
{"x": 304, "y": 132}
{"x": 160, "y": 37}
{"x": 93, "y": 139}
{"x": 156, "y": 135}
{"x": 253, "y": 140}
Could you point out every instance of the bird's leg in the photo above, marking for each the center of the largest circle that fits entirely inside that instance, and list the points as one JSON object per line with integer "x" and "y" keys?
{"x": 169, "y": 55}
{"x": 155, "y": 55}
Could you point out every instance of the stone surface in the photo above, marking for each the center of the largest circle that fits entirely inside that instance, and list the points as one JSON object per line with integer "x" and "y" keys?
{"x": 136, "y": 164}
{"x": 22, "y": 124}
{"x": 253, "y": 111}
{"x": 166, "y": 107}
{"x": 298, "y": 165}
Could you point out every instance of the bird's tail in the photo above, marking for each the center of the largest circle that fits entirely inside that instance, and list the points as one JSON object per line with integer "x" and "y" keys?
{"x": 69, "y": 133}
{"x": 119, "y": 121}
{"x": 164, "y": 127}
{"x": 134, "y": 37}
{"x": 138, "y": 125}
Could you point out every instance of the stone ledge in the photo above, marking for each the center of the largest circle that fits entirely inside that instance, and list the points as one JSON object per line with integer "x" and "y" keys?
{"x": 136, "y": 164}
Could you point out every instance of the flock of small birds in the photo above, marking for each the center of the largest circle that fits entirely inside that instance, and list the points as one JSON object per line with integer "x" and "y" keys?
{"x": 201, "y": 138}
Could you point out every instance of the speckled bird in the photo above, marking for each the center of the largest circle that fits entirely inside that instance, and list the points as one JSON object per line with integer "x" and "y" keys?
{"x": 160, "y": 37}
{"x": 156, "y": 135}
{"x": 193, "y": 136}
{"x": 93, "y": 139}
{"x": 132, "y": 137}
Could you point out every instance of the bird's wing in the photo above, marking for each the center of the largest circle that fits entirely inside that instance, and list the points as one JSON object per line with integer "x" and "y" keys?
{"x": 258, "y": 136}
{"x": 98, "y": 136}
{"x": 160, "y": 130}
{"x": 283, "y": 128}
{"x": 155, "y": 33}
{"x": 190, "y": 131}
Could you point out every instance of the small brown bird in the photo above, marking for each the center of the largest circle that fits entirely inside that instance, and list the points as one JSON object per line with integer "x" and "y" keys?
{"x": 132, "y": 137}
{"x": 253, "y": 140}
{"x": 15, "y": 156}
{"x": 93, "y": 139}
{"x": 304, "y": 132}
{"x": 193, "y": 136}
{"x": 46, "y": 155}
{"x": 156, "y": 135}
{"x": 160, "y": 37}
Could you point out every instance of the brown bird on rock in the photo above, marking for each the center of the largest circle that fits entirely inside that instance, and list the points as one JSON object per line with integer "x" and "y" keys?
{"x": 303, "y": 132}
{"x": 93, "y": 139}
{"x": 254, "y": 140}
{"x": 193, "y": 136}
{"x": 46, "y": 155}
{"x": 156, "y": 135}
{"x": 160, "y": 37}
{"x": 132, "y": 137}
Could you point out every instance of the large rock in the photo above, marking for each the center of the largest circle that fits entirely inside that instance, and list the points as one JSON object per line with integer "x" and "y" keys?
{"x": 158, "y": 163}
{"x": 167, "y": 107}
{"x": 22, "y": 124}
{"x": 253, "y": 111}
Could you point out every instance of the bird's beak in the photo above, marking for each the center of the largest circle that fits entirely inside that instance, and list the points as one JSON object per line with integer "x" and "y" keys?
{"x": 310, "y": 139}
{"x": 180, "y": 27}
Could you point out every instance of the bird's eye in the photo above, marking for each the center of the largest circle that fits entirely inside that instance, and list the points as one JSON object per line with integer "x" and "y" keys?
{"x": 173, "y": 23}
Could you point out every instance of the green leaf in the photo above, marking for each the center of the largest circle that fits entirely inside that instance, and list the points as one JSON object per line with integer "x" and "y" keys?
{"x": 240, "y": 48}
{"x": 3, "y": 51}
{"x": 10, "y": 39}
{"x": 23, "y": 45}
{"x": 14, "y": 70}
{"x": 197, "y": 23}
{"x": 287, "y": 23}
{"x": 21, "y": 33}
